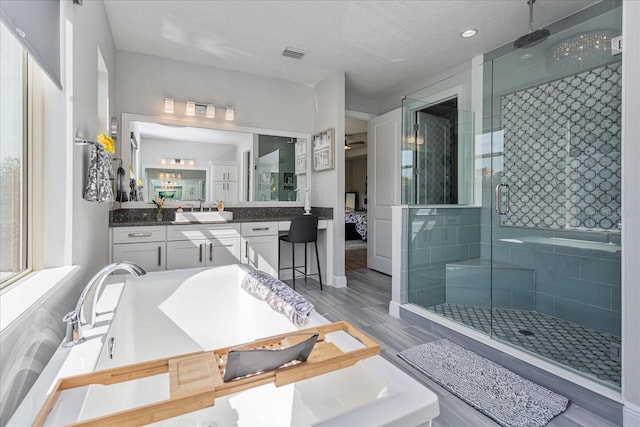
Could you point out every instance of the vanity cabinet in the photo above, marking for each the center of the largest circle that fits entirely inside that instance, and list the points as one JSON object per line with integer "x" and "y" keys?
{"x": 226, "y": 183}
{"x": 260, "y": 246}
{"x": 144, "y": 246}
{"x": 212, "y": 245}
{"x": 168, "y": 247}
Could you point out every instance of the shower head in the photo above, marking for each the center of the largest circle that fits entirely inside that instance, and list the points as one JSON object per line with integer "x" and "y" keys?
{"x": 533, "y": 37}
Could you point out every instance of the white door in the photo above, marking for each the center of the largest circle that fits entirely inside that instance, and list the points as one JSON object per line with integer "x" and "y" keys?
{"x": 383, "y": 151}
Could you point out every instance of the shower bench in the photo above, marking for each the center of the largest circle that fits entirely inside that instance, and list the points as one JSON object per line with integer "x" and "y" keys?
{"x": 470, "y": 283}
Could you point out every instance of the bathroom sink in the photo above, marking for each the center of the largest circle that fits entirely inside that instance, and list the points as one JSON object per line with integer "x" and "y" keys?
{"x": 212, "y": 216}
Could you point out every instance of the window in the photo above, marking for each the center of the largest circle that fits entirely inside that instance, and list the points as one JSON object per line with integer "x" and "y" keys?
{"x": 21, "y": 124}
{"x": 13, "y": 159}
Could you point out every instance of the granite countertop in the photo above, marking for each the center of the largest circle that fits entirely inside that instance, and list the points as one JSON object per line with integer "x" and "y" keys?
{"x": 147, "y": 217}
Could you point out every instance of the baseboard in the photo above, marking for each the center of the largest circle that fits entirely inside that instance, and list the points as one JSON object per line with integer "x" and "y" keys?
{"x": 631, "y": 414}
{"x": 338, "y": 282}
{"x": 394, "y": 309}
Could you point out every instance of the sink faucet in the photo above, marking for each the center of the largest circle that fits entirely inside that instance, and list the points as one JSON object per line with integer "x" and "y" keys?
{"x": 201, "y": 201}
{"x": 73, "y": 318}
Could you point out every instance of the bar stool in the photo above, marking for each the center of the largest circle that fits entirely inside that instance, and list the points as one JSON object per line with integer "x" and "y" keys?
{"x": 304, "y": 229}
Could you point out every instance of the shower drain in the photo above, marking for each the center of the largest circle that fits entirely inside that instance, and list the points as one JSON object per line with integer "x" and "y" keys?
{"x": 526, "y": 332}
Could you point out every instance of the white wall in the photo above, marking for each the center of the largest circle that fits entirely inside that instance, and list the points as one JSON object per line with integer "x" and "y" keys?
{"x": 90, "y": 219}
{"x": 394, "y": 100}
{"x": 328, "y": 186}
{"x": 142, "y": 82}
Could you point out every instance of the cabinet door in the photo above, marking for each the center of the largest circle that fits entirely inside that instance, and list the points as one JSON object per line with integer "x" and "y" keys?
{"x": 261, "y": 253}
{"x": 192, "y": 191}
{"x": 226, "y": 191}
{"x": 219, "y": 173}
{"x": 219, "y": 191}
{"x": 222, "y": 252}
{"x": 225, "y": 173}
{"x": 232, "y": 173}
{"x": 150, "y": 256}
{"x": 232, "y": 193}
{"x": 186, "y": 254}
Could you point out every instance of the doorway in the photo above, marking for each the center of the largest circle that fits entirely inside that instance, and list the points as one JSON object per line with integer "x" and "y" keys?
{"x": 355, "y": 186}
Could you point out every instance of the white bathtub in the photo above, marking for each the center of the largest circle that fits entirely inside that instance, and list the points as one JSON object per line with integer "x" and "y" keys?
{"x": 169, "y": 313}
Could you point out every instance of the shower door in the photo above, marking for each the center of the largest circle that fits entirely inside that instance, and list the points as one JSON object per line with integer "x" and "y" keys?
{"x": 556, "y": 196}
{"x": 444, "y": 224}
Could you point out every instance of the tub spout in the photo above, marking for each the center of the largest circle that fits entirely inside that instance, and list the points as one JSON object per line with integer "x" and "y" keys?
{"x": 73, "y": 318}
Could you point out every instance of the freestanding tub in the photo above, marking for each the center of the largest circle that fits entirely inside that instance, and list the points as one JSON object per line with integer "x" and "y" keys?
{"x": 169, "y": 313}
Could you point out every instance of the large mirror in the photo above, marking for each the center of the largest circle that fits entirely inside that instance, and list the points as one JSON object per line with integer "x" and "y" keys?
{"x": 186, "y": 162}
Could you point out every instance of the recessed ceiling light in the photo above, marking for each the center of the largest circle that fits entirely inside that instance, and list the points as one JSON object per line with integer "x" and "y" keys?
{"x": 468, "y": 33}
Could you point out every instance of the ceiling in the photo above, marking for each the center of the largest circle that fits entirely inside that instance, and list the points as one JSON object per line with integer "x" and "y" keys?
{"x": 381, "y": 45}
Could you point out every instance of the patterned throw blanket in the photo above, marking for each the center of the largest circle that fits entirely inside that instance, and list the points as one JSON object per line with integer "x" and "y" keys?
{"x": 279, "y": 296}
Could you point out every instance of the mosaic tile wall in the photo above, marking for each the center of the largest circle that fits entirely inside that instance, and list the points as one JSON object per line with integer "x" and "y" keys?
{"x": 562, "y": 152}
{"x": 436, "y": 168}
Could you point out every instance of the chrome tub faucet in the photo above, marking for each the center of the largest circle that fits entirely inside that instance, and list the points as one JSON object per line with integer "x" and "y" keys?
{"x": 73, "y": 318}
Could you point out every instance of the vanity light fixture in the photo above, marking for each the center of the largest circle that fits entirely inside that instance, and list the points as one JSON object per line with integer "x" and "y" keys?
{"x": 211, "y": 111}
{"x": 174, "y": 161}
{"x": 468, "y": 33}
{"x": 191, "y": 108}
{"x": 229, "y": 114}
{"x": 168, "y": 105}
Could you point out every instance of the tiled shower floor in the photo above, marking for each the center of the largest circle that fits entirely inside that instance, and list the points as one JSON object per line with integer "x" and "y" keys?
{"x": 576, "y": 346}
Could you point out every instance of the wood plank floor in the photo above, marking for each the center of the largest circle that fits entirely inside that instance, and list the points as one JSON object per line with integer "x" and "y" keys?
{"x": 365, "y": 303}
{"x": 355, "y": 259}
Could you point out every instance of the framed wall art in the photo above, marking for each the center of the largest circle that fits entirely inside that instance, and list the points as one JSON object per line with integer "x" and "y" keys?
{"x": 323, "y": 150}
{"x": 301, "y": 156}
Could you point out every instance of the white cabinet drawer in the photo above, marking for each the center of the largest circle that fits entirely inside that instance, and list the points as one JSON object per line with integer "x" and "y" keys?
{"x": 259, "y": 229}
{"x": 139, "y": 234}
{"x": 202, "y": 231}
{"x": 150, "y": 256}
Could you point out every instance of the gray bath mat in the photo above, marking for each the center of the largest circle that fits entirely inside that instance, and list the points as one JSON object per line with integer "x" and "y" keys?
{"x": 500, "y": 394}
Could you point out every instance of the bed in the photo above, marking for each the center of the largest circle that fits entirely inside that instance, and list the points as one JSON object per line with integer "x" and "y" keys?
{"x": 355, "y": 221}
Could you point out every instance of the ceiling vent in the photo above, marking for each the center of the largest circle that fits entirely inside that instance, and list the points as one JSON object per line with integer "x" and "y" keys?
{"x": 293, "y": 52}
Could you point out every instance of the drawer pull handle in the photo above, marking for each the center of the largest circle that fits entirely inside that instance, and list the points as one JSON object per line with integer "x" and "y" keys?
{"x": 210, "y": 251}
{"x": 201, "y": 252}
{"x": 159, "y": 255}
{"x": 260, "y": 228}
{"x": 139, "y": 234}
{"x": 112, "y": 347}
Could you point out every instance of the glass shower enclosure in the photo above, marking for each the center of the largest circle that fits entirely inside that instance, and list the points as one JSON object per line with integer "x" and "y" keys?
{"x": 514, "y": 211}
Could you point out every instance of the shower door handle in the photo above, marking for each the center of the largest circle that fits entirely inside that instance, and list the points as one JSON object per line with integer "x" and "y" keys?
{"x": 499, "y": 199}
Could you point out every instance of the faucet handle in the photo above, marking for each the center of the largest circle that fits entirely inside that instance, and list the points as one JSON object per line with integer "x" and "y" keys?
{"x": 74, "y": 334}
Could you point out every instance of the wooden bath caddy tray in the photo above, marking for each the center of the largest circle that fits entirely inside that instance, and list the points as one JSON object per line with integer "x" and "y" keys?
{"x": 196, "y": 379}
